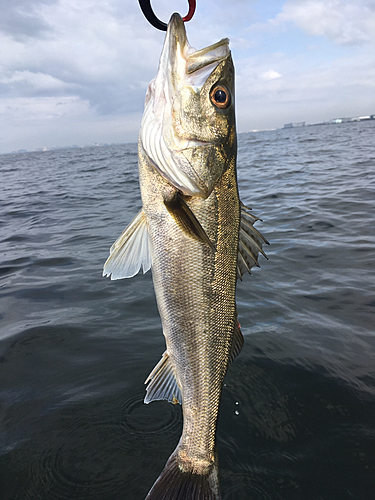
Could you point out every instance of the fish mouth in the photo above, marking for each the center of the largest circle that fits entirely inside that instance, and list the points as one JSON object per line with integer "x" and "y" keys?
{"x": 180, "y": 66}
{"x": 191, "y": 61}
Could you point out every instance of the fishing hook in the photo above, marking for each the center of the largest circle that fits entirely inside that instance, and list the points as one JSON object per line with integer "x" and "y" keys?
{"x": 152, "y": 19}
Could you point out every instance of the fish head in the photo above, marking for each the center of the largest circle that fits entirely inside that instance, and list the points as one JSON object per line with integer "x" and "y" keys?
{"x": 188, "y": 128}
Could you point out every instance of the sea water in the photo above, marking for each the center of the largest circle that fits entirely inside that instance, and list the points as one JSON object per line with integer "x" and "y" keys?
{"x": 298, "y": 408}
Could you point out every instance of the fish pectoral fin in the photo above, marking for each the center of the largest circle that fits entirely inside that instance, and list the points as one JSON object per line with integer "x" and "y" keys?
{"x": 237, "y": 341}
{"x": 186, "y": 220}
{"x": 162, "y": 383}
{"x": 130, "y": 252}
{"x": 250, "y": 243}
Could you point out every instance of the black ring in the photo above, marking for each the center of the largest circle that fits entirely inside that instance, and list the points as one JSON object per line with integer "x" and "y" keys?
{"x": 150, "y": 16}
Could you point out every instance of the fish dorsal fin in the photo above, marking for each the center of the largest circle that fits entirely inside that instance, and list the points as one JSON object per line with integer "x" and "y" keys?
{"x": 237, "y": 341}
{"x": 186, "y": 220}
{"x": 162, "y": 383}
{"x": 130, "y": 252}
{"x": 250, "y": 243}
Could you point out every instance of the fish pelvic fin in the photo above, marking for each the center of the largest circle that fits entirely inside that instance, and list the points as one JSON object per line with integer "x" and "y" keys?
{"x": 162, "y": 383}
{"x": 130, "y": 252}
{"x": 175, "y": 484}
{"x": 186, "y": 220}
{"x": 250, "y": 243}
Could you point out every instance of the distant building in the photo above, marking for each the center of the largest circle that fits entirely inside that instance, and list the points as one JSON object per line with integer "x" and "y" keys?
{"x": 294, "y": 125}
{"x": 332, "y": 122}
{"x": 341, "y": 120}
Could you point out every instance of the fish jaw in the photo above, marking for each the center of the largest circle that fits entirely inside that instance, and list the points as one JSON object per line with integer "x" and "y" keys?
{"x": 182, "y": 132}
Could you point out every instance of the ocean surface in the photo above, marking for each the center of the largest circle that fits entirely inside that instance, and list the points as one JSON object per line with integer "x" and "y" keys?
{"x": 297, "y": 419}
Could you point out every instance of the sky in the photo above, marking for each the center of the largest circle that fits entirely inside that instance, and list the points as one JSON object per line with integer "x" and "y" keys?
{"x": 76, "y": 72}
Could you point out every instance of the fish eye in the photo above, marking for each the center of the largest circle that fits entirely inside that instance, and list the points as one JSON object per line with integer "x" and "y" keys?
{"x": 220, "y": 96}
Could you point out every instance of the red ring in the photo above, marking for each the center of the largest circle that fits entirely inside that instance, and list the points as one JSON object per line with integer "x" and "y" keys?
{"x": 190, "y": 14}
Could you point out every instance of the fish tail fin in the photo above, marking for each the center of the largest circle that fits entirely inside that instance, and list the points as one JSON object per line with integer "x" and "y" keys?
{"x": 174, "y": 484}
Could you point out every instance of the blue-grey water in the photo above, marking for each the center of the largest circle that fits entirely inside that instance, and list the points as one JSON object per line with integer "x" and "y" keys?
{"x": 297, "y": 419}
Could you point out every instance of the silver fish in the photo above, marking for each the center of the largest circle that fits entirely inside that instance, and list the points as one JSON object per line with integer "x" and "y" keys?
{"x": 198, "y": 238}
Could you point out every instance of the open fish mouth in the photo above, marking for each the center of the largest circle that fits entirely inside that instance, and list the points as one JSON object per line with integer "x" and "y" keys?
{"x": 186, "y": 62}
{"x": 162, "y": 135}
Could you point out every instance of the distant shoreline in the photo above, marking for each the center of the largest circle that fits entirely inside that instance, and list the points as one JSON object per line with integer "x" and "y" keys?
{"x": 286, "y": 126}
{"x": 333, "y": 121}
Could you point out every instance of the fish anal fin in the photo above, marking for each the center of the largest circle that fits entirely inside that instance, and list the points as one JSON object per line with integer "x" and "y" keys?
{"x": 162, "y": 383}
{"x": 186, "y": 220}
{"x": 130, "y": 252}
{"x": 237, "y": 341}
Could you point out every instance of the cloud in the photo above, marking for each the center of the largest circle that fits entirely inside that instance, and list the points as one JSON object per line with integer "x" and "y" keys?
{"x": 77, "y": 68}
{"x": 342, "y": 87}
{"x": 96, "y": 58}
{"x": 20, "y": 20}
{"x": 61, "y": 121}
{"x": 334, "y": 76}
{"x": 270, "y": 74}
{"x": 31, "y": 83}
{"x": 24, "y": 109}
{"x": 342, "y": 21}
{"x": 95, "y": 49}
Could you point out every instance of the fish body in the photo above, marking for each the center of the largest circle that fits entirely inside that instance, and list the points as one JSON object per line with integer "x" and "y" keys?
{"x": 198, "y": 239}
{"x": 195, "y": 290}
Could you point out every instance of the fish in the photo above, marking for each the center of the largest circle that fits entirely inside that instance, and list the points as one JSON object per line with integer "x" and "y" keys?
{"x": 199, "y": 239}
